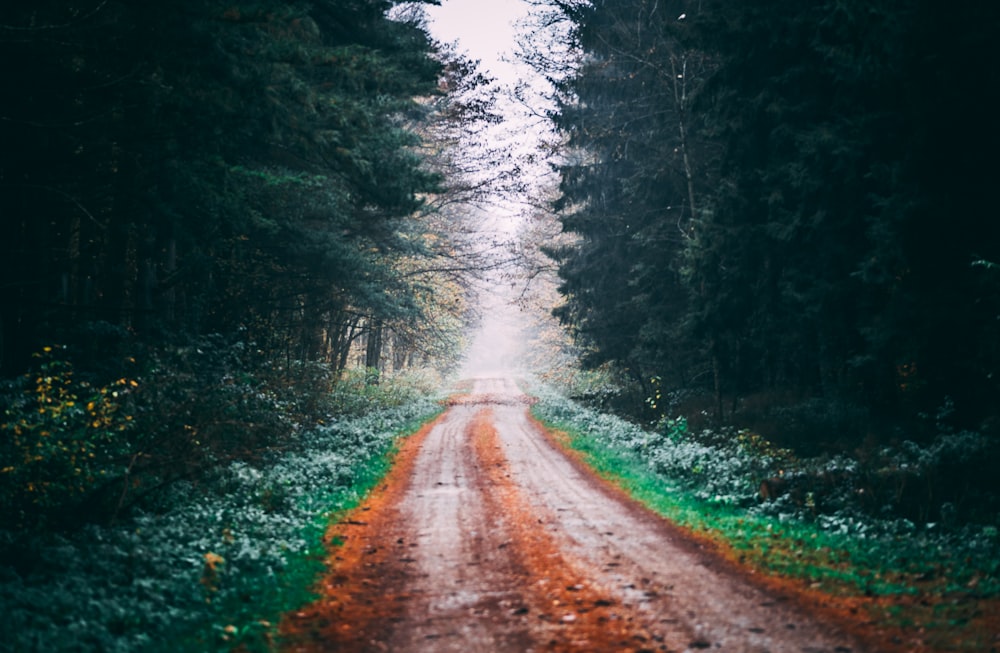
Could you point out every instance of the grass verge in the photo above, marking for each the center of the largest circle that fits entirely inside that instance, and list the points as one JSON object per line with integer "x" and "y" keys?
{"x": 212, "y": 564}
{"x": 253, "y": 623}
{"x": 928, "y": 591}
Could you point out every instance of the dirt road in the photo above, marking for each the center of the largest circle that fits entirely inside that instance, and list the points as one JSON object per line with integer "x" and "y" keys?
{"x": 486, "y": 537}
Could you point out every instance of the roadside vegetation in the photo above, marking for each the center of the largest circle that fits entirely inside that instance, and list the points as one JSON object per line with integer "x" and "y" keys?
{"x": 154, "y": 559}
{"x": 753, "y": 203}
{"x": 230, "y": 276}
{"x": 907, "y": 532}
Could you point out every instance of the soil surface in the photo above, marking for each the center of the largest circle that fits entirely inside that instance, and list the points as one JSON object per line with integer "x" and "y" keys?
{"x": 486, "y": 536}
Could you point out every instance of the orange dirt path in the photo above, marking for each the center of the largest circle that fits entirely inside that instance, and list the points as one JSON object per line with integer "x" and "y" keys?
{"x": 486, "y": 536}
{"x": 592, "y": 618}
{"x": 356, "y": 597}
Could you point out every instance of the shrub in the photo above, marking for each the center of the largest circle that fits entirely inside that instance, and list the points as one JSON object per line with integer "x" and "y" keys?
{"x": 207, "y": 565}
{"x": 947, "y": 482}
{"x": 61, "y": 440}
{"x": 73, "y": 451}
{"x": 841, "y": 521}
{"x": 360, "y": 391}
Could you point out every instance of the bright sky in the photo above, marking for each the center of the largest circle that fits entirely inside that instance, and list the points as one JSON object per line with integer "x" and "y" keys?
{"x": 486, "y": 30}
{"x": 483, "y": 28}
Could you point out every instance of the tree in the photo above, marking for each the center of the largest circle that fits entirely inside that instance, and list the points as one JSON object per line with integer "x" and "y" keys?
{"x": 774, "y": 219}
{"x": 207, "y": 169}
{"x": 215, "y": 201}
{"x": 630, "y": 192}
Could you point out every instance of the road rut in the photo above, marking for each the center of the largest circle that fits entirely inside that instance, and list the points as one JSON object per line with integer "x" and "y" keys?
{"x": 487, "y": 537}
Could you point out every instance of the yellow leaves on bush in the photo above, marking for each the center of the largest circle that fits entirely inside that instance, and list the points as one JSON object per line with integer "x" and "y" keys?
{"x": 213, "y": 560}
{"x": 63, "y": 434}
{"x": 760, "y": 446}
{"x": 210, "y": 572}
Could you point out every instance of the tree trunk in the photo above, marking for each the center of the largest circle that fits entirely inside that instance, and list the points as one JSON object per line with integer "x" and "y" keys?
{"x": 400, "y": 351}
{"x": 680, "y": 102}
{"x": 373, "y": 351}
{"x": 717, "y": 381}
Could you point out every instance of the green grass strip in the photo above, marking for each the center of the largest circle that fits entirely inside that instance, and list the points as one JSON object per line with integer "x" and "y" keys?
{"x": 836, "y": 563}
{"x": 247, "y": 620}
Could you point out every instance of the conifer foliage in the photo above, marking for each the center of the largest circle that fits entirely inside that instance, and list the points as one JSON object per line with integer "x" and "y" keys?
{"x": 206, "y": 207}
{"x": 784, "y": 206}
{"x": 176, "y": 169}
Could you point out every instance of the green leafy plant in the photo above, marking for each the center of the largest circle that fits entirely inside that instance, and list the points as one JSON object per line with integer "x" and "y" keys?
{"x": 208, "y": 564}
{"x": 837, "y": 521}
{"x": 60, "y": 438}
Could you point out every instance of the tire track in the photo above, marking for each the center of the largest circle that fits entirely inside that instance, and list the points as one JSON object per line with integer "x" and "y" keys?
{"x": 487, "y": 537}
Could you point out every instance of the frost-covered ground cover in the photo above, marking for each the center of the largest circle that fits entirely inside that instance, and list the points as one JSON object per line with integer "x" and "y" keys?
{"x": 211, "y": 565}
{"x": 810, "y": 518}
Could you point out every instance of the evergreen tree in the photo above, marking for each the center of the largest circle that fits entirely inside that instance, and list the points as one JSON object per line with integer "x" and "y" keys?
{"x": 630, "y": 190}
{"x": 801, "y": 220}
{"x": 198, "y": 168}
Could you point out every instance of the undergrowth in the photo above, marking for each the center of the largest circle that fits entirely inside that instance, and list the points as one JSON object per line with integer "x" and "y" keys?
{"x": 206, "y": 565}
{"x": 83, "y": 443}
{"x": 824, "y": 531}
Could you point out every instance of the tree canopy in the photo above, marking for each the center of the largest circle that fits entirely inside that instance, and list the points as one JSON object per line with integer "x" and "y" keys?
{"x": 786, "y": 203}
{"x": 177, "y": 169}
{"x": 210, "y": 211}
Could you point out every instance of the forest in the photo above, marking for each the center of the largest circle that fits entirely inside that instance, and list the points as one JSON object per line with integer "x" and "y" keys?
{"x": 237, "y": 260}
{"x": 782, "y": 211}
{"x": 211, "y": 212}
{"x": 229, "y": 279}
